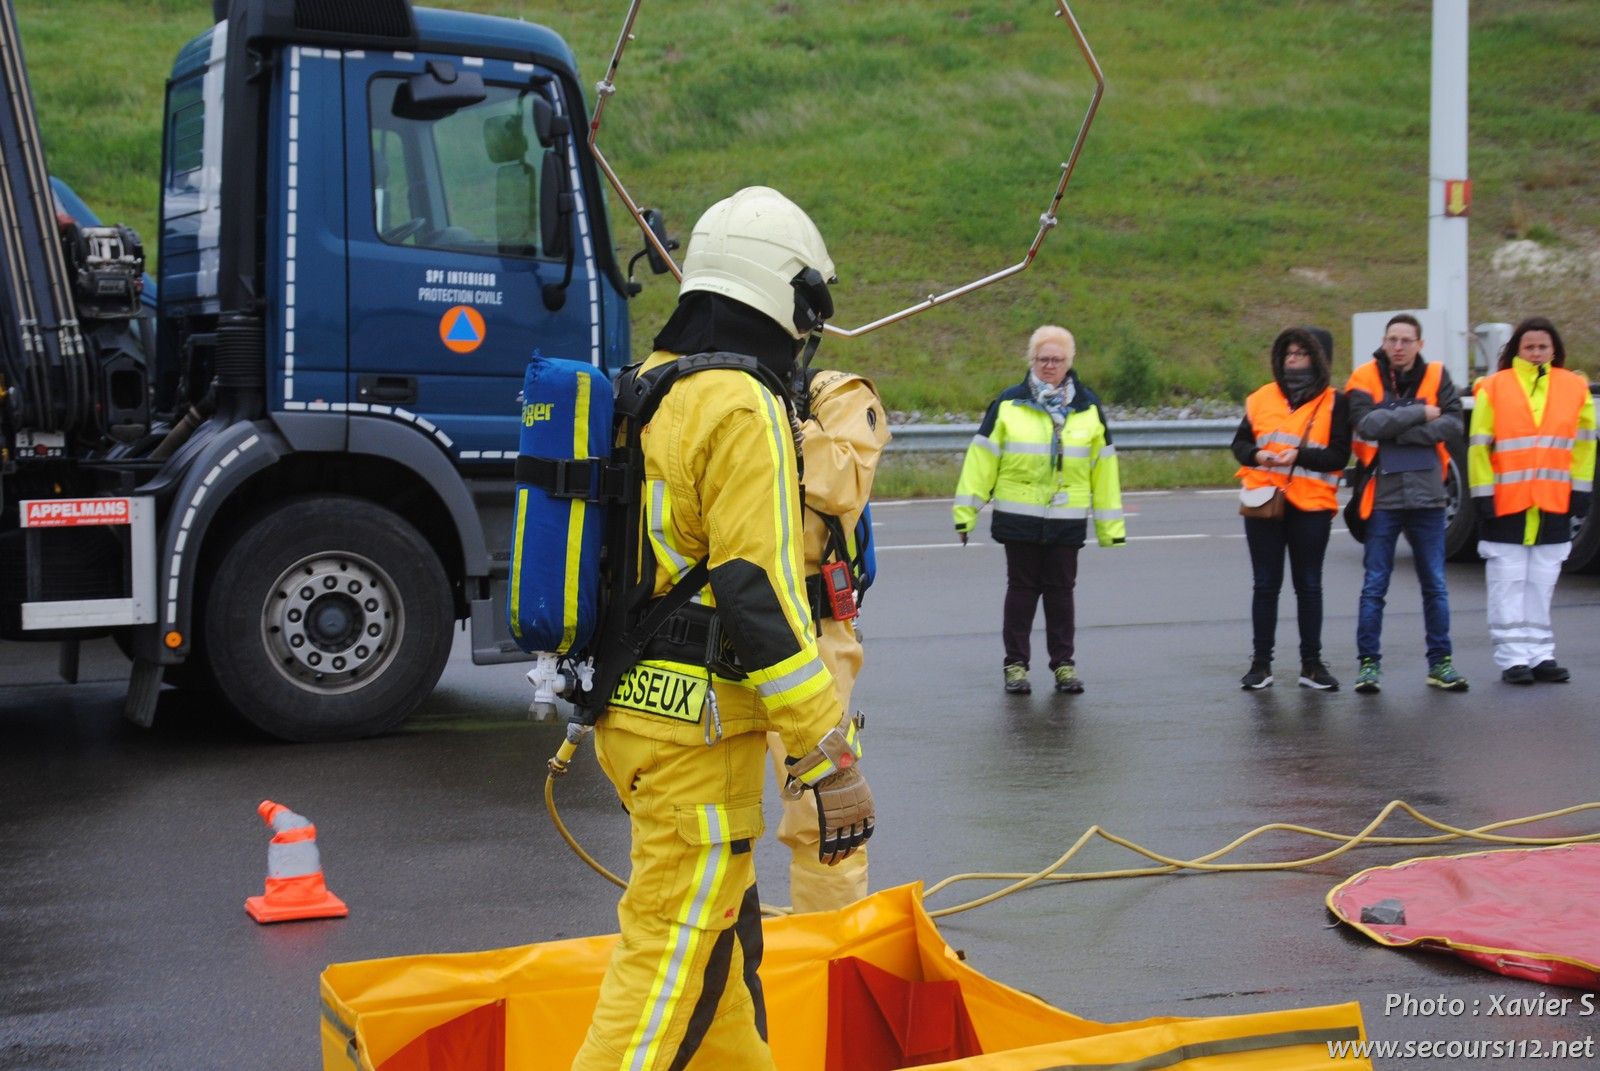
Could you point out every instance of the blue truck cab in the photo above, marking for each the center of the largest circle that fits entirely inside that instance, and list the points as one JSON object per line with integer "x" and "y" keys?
{"x": 372, "y": 216}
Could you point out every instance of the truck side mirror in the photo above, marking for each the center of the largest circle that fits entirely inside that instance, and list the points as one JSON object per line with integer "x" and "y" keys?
{"x": 658, "y": 227}
{"x": 438, "y": 91}
{"x": 555, "y": 206}
{"x": 549, "y": 127}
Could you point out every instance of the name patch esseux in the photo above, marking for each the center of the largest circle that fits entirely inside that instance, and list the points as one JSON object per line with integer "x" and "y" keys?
{"x": 661, "y": 691}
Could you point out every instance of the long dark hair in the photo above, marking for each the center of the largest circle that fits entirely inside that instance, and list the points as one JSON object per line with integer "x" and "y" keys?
{"x": 1533, "y": 323}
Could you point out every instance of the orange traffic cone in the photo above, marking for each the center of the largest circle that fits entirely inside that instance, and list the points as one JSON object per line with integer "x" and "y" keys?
{"x": 295, "y": 889}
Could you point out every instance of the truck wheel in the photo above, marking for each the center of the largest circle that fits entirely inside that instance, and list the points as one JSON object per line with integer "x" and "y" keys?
{"x": 1585, "y": 556}
{"x": 328, "y": 618}
{"x": 1460, "y": 523}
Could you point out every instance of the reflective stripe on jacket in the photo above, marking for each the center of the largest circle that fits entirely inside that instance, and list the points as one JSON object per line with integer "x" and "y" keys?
{"x": 1044, "y": 488}
{"x": 1369, "y": 379}
{"x": 1279, "y": 429}
{"x": 721, "y": 482}
{"x": 1531, "y": 448}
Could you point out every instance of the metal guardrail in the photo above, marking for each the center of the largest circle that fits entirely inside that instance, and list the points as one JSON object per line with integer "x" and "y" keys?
{"x": 1127, "y": 434}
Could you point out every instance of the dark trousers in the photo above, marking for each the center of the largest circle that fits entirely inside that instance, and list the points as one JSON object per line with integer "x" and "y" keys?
{"x": 1303, "y": 534}
{"x": 1035, "y": 571}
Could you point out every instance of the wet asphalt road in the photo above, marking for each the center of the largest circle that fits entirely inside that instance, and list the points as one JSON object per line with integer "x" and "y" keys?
{"x": 125, "y": 855}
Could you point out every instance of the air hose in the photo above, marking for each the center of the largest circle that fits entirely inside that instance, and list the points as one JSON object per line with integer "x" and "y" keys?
{"x": 1367, "y": 837}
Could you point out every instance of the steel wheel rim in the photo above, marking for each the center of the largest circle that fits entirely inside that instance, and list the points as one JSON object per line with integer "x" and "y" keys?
{"x": 332, "y": 622}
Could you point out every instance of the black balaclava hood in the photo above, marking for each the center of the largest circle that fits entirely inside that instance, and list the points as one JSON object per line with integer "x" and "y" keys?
{"x": 704, "y": 322}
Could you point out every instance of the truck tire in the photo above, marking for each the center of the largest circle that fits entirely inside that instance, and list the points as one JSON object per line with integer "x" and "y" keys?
{"x": 1460, "y": 522}
{"x": 328, "y": 618}
{"x": 1585, "y": 556}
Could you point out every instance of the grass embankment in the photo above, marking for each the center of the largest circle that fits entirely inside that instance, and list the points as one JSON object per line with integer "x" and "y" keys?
{"x": 1254, "y": 164}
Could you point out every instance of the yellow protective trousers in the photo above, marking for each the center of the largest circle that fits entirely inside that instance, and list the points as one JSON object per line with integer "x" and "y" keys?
{"x": 681, "y": 990}
{"x": 813, "y": 885}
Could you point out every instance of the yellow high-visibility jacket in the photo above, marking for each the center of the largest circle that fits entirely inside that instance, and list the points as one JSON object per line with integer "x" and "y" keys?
{"x": 721, "y": 482}
{"x": 1572, "y": 430}
{"x": 1044, "y": 488}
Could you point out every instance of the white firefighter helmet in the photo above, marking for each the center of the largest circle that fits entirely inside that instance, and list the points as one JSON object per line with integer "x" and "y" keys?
{"x": 758, "y": 248}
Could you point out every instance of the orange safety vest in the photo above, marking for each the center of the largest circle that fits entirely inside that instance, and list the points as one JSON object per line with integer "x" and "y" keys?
{"x": 1279, "y": 429}
{"x": 1366, "y": 378}
{"x": 1533, "y": 464}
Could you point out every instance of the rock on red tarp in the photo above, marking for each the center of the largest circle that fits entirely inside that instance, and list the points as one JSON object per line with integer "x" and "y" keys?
{"x": 1524, "y": 912}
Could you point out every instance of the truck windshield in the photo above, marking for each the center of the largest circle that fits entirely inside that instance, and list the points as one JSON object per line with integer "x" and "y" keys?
{"x": 466, "y": 181}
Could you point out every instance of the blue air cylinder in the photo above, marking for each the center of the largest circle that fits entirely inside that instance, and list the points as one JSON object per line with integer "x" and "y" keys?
{"x": 556, "y": 533}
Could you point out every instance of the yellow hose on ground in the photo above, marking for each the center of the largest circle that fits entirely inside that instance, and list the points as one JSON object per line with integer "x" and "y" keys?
{"x": 1205, "y": 863}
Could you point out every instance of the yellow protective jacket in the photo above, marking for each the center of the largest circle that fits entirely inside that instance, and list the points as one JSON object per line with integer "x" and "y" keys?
{"x": 841, "y": 442}
{"x": 1537, "y": 428}
{"x": 1044, "y": 488}
{"x": 720, "y": 482}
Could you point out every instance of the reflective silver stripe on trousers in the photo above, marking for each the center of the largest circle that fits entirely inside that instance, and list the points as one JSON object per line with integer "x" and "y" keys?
{"x": 987, "y": 443}
{"x": 1533, "y": 442}
{"x": 292, "y": 860}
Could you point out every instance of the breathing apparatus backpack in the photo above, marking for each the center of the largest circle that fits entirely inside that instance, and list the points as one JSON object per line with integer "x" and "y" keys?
{"x": 580, "y": 596}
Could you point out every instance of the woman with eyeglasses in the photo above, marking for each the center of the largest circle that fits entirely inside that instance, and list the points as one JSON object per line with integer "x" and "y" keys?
{"x": 1043, "y": 456}
{"x": 1295, "y": 436}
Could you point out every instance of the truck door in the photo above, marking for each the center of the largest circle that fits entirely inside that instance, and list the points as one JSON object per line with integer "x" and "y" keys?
{"x": 448, "y": 261}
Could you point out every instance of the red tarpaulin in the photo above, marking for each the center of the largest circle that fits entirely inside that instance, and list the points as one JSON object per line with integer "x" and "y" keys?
{"x": 1524, "y": 912}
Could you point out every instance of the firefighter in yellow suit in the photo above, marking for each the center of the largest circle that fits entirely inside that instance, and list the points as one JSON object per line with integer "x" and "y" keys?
{"x": 721, "y": 484}
{"x": 841, "y": 441}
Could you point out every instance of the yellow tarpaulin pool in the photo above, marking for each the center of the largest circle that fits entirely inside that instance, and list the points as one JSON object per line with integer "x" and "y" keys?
{"x": 880, "y": 962}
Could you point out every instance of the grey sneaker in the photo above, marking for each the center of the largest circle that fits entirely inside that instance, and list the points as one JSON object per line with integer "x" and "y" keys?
{"x": 1067, "y": 680}
{"x": 1258, "y": 677}
{"x": 1443, "y": 675}
{"x": 1367, "y": 677}
{"x": 1314, "y": 674}
{"x": 1017, "y": 679}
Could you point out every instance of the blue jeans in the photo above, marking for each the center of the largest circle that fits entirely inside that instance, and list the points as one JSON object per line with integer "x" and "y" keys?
{"x": 1424, "y": 530}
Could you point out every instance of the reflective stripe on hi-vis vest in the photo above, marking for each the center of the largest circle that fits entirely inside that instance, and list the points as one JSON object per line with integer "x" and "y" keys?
{"x": 1280, "y": 429}
{"x": 1533, "y": 463}
{"x": 1366, "y": 378}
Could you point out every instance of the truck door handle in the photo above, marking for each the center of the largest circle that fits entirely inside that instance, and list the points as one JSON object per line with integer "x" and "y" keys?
{"x": 399, "y": 389}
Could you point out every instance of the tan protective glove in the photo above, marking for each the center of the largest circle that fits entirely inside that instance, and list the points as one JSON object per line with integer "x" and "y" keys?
{"x": 845, "y": 812}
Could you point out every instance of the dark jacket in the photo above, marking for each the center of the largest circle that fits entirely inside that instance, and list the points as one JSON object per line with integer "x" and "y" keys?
{"x": 1408, "y": 426}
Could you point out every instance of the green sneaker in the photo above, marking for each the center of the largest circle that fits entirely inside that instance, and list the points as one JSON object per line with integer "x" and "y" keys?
{"x": 1017, "y": 679}
{"x": 1067, "y": 680}
{"x": 1367, "y": 676}
{"x": 1443, "y": 675}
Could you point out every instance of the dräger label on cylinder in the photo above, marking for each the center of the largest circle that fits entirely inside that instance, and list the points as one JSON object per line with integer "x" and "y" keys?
{"x": 662, "y": 692}
{"x": 71, "y": 512}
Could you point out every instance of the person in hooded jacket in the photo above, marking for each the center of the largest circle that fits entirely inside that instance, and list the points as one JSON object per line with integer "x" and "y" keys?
{"x": 1295, "y": 435}
{"x": 1043, "y": 456}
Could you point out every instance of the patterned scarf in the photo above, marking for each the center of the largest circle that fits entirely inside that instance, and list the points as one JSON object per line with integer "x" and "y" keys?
{"x": 1055, "y": 401}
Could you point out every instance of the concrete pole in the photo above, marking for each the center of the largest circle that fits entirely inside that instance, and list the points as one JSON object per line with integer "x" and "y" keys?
{"x": 1447, "y": 161}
